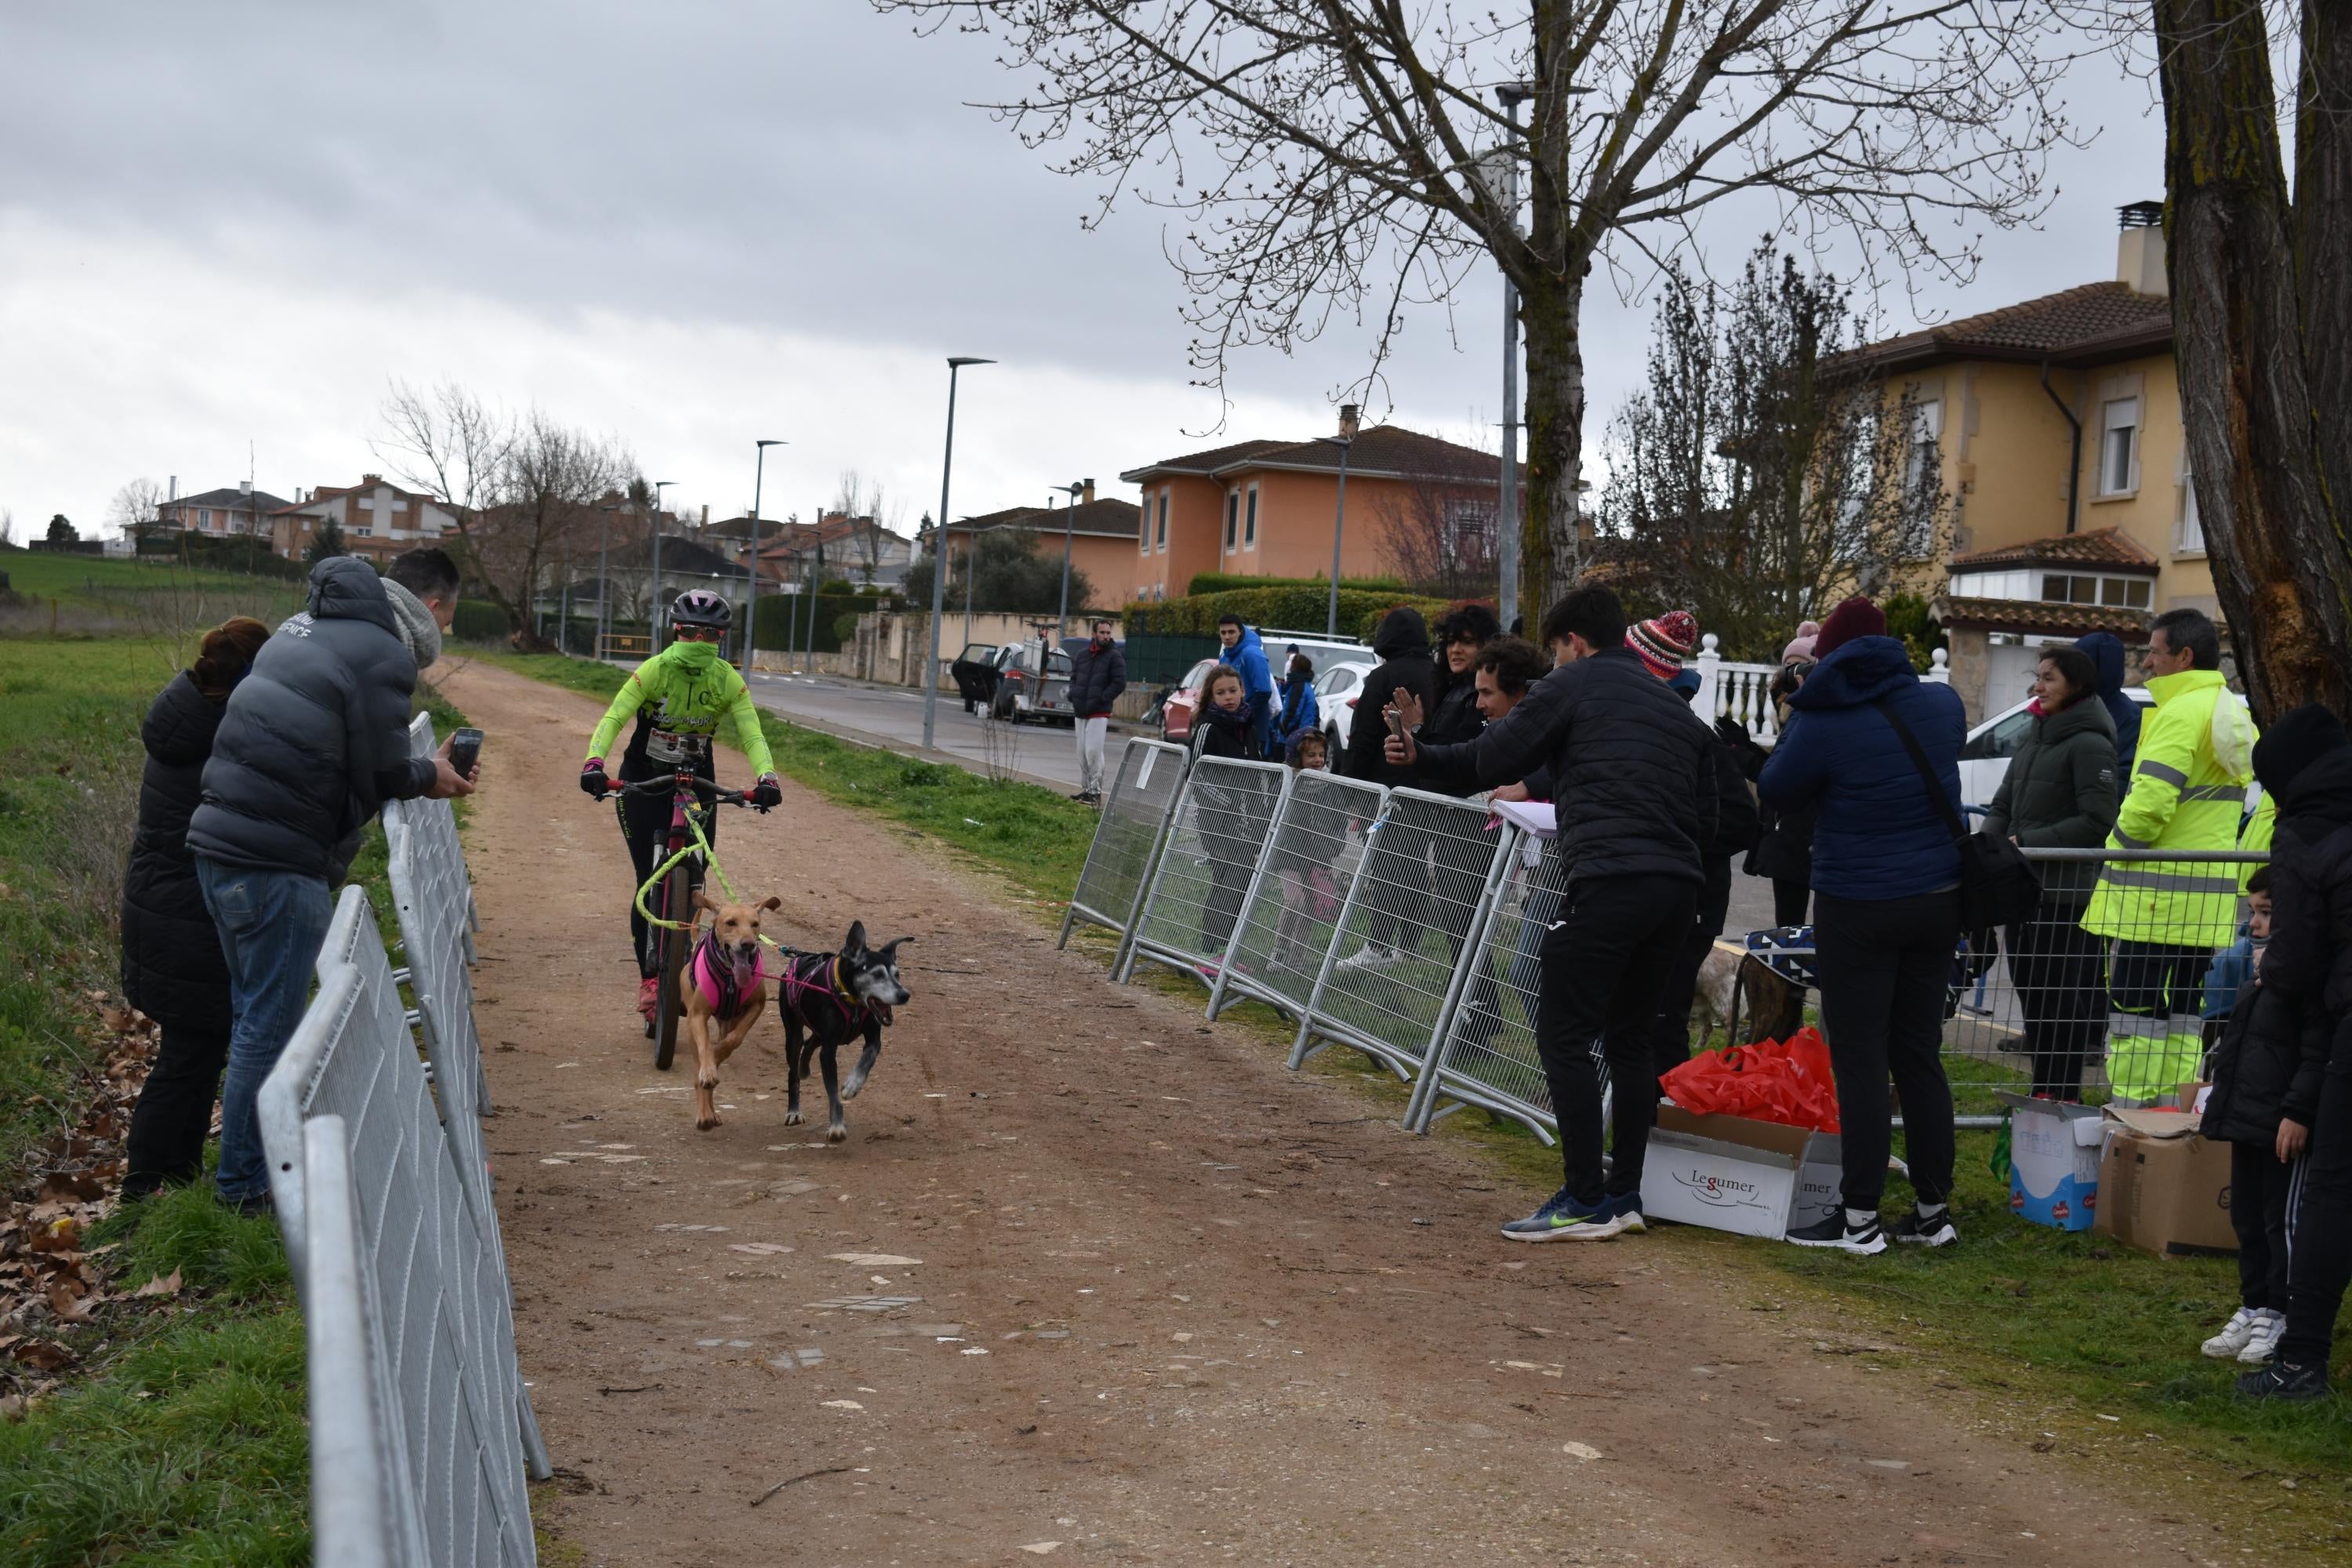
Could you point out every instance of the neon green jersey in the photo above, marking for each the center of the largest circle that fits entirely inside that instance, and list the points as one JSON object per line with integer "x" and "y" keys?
{"x": 678, "y": 696}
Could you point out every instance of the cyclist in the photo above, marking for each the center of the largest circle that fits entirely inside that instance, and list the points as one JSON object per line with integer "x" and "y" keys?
{"x": 678, "y": 697}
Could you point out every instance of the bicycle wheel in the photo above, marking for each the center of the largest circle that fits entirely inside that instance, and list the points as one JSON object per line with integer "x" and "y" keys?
{"x": 678, "y": 903}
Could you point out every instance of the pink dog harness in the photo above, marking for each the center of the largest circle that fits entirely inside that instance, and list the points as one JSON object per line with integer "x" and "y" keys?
{"x": 725, "y": 981}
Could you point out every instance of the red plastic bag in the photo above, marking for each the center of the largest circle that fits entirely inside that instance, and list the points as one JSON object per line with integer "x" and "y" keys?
{"x": 1788, "y": 1082}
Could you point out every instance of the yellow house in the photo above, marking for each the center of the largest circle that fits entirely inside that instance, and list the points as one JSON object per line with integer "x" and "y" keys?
{"x": 2055, "y": 424}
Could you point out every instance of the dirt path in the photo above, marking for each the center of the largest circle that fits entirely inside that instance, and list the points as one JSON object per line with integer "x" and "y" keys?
{"x": 1173, "y": 1304}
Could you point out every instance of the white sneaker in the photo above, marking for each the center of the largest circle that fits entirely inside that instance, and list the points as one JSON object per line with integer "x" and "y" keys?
{"x": 2237, "y": 1334}
{"x": 1371, "y": 957}
{"x": 2261, "y": 1348}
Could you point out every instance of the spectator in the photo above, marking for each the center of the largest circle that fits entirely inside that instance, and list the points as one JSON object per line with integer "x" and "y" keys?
{"x": 1402, "y": 643}
{"x": 1736, "y": 832}
{"x": 2105, "y": 652}
{"x": 171, "y": 965}
{"x": 1246, "y": 656}
{"x": 1886, "y": 909}
{"x": 2305, "y": 764}
{"x": 2187, "y": 792}
{"x": 1635, "y": 800}
{"x": 1455, "y": 717}
{"x": 311, "y": 742}
{"x": 1784, "y": 844}
{"x": 2060, "y": 792}
{"x": 1301, "y": 861}
{"x": 1300, "y": 713}
{"x": 1097, "y": 675}
{"x": 2266, "y": 1075}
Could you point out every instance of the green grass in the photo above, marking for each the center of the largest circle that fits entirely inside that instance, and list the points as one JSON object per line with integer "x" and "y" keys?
{"x": 92, "y": 597}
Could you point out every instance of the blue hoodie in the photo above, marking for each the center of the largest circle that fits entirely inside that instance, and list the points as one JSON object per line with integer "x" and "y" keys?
{"x": 2106, "y": 653}
{"x": 1881, "y": 836}
{"x": 1248, "y": 657}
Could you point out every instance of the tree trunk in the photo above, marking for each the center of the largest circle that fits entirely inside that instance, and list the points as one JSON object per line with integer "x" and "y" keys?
{"x": 1550, "y": 546}
{"x": 2262, "y": 404}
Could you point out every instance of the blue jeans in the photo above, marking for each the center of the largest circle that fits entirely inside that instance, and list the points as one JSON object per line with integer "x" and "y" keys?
{"x": 271, "y": 925}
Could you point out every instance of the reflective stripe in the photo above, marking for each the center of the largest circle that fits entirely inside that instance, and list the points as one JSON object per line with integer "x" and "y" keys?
{"x": 2169, "y": 773}
{"x": 2230, "y": 792}
{"x": 2129, "y": 842}
{"x": 2166, "y": 881}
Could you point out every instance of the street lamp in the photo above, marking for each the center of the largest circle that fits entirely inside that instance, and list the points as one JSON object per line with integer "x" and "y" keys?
{"x": 1344, "y": 440}
{"x": 940, "y": 571}
{"x": 751, "y": 573}
{"x": 1062, "y": 626}
{"x": 604, "y": 578}
{"x": 653, "y": 630}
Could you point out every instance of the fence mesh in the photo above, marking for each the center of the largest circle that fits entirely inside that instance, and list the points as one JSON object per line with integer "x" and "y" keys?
{"x": 1213, "y": 844}
{"x": 1314, "y": 846}
{"x": 1419, "y": 895}
{"x": 1127, "y": 837}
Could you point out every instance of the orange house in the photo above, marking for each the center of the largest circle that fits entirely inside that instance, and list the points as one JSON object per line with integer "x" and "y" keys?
{"x": 1100, "y": 533}
{"x": 1416, "y": 506}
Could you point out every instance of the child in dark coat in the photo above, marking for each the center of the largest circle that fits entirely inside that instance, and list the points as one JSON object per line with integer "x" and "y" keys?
{"x": 2266, "y": 1076}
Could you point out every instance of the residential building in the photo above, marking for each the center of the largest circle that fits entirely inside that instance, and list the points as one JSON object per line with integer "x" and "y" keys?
{"x": 2056, "y": 425}
{"x": 1267, "y": 508}
{"x": 378, "y": 519}
{"x": 857, "y": 549}
{"x": 234, "y": 508}
{"x": 1102, "y": 532}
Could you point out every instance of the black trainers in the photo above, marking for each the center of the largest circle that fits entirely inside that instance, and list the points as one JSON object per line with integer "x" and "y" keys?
{"x": 2284, "y": 1381}
{"x": 1832, "y": 1231}
{"x": 1912, "y": 1230}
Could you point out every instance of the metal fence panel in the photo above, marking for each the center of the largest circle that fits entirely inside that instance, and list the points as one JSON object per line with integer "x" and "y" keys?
{"x": 1214, "y": 843}
{"x": 1127, "y": 836}
{"x": 435, "y": 822}
{"x": 1314, "y": 846}
{"x": 1390, "y": 977}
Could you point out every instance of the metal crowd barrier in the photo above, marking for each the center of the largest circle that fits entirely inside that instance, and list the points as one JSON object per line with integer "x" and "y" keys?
{"x": 435, "y": 823}
{"x": 1208, "y": 858}
{"x": 1135, "y": 817}
{"x": 1313, "y": 851}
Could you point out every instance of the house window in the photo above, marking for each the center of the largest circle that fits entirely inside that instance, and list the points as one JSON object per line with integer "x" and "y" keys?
{"x": 1471, "y": 522}
{"x": 1144, "y": 535}
{"x": 1233, "y": 518}
{"x": 2060, "y": 590}
{"x": 1161, "y": 537}
{"x": 363, "y": 530}
{"x": 1249, "y": 527}
{"x": 204, "y": 517}
{"x": 2189, "y": 538}
{"x": 2125, "y": 593}
{"x": 1926, "y": 431}
{"x": 2119, "y": 447}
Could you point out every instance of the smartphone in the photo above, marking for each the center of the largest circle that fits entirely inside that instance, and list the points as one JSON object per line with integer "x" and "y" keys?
{"x": 1395, "y": 719}
{"x": 464, "y": 751}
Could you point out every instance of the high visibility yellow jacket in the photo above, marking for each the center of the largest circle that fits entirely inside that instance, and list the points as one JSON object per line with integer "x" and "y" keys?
{"x": 2183, "y": 796}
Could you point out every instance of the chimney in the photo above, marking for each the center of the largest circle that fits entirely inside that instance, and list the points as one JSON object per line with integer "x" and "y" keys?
{"x": 1087, "y": 495}
{"x": 1348, "y": 421}
{"x": 245, "y": 487}
{"x": 175, "y": 488}
{"x": 2139, "y": 249}
{"x": 371, "y": 479}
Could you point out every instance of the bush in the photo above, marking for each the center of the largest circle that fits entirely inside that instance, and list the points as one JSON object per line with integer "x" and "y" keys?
{"x": 478, "y": 620}
{"x": 1298, "y": 607}
{"x": 1222, "y": 581}
{"x": 784, "y": 619}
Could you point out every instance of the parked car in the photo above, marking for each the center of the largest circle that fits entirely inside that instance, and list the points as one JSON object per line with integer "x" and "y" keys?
{"x": 1177, "y": 709}
{"x": 975, "y": 674}
{"x": 1025, "y": 692}
{"x": 1176, "y": 713}
{"x": 1337, "y": 688}
{"x": 1984, "y": 759}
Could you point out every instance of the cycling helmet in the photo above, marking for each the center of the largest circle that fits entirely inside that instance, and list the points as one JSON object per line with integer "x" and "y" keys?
{"x": 701, "y": 607}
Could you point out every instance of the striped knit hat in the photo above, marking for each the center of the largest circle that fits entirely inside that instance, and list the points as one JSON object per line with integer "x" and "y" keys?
{"x": 1665, "y": 641}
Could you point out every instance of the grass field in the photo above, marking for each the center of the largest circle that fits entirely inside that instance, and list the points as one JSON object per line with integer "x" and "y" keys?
{"x": 147, "y": 600}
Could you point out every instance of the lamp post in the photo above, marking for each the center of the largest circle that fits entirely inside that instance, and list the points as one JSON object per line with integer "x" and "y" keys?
{"x": 752, "y": 571}
{"x": 1344, "y": 440}
{"x": 816, "y": 586}
{"x": 653, "y": 614}
{"x": 604, "y": 580}
{"x": 940, "y": 573}
{"x": 1062, "y": 624}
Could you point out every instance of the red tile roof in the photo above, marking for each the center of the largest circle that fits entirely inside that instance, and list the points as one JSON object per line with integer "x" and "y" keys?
{"x": 2093, "y": 324}
{"x": 2033, "y": 615}
{"x": 2107, "y": 549}
{"x": 1378, "y": 451}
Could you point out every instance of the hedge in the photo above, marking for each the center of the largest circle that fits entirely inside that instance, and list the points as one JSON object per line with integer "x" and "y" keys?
{"x": 1297, "y": 607}
{"x": 478, "y": 620}
{"x": 785, "y": 619}
{"x": 1223, "y": 582}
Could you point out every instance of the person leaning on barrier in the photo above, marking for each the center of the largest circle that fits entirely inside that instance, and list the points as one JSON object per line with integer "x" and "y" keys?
{"x": 1245, "y": 655}
{"x": 313, "y": 741}
{"x": 2305, "y": 765}
{"x": 2060, "y": 792}
{"x": 1636, "y": 804}
{"x": 1886, "y": 911}
{"x": 1392, "y": 901}
{"x": 2187, "y": 792}
{"x": 1225, "y": 727}
{"x": 1456, "y": 715}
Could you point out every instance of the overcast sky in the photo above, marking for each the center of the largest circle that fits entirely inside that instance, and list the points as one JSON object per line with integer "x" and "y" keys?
{"x": 688, "y": 225}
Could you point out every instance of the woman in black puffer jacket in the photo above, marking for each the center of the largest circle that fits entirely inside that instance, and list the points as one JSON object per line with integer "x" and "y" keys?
{"x": 173, "y": 970}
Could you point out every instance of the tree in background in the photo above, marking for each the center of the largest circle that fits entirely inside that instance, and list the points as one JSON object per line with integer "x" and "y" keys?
{"x": 61, "y": 531}
{"x": 1010, "y": 575}
{"x": 7, "y": 529}
{"x": 2261, "y": 311}
{"x": 1346, "y": 157}
{"x": 135, "y": 509}
{"x": 1763, "y": 471}
{"x": 1439, "y": 537}
{"x": 865, "y": 504}
{"x": 326, "y": 544}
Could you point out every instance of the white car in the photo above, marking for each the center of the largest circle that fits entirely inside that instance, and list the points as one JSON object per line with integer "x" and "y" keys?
{"x": 1337, "y": 686}
{"x": 1984, "y": 760}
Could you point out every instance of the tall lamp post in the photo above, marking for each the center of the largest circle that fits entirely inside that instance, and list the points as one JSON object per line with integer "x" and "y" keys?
{"x": 751, "y": 605}
{"x": 654, "y": 614}
{"x": 604, "y": 580}
{"x": 939, "y": 570}
{"x": 1344, "y": 440}
{"x": 1062, "y": 626}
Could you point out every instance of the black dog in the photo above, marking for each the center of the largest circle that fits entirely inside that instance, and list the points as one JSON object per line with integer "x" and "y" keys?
{"x": 835, "y": 998}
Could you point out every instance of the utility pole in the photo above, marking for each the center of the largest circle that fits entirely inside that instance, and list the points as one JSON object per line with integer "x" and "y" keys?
{"x": 939, "y": 575}
{"x": 654, "y": 612}
{"x": 751, "y": 604}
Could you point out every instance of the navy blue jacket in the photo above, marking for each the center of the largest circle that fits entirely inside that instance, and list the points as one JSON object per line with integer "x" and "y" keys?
{"x": 173, "y": 970}
{"x": 1881, "y": 835}
{"x": 1097, "y": 678}
{"x": 2106, "y": 653}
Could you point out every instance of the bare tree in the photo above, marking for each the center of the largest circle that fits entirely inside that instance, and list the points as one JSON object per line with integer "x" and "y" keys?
{"x": 135, "y": 508}
{"x": 7, "y": 529}
{"x": 1439, "y": 535}
{"x": 1332, "y": 156}
{"x": 2262, "y": 291}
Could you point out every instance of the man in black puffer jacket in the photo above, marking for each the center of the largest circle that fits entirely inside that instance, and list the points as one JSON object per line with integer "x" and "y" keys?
{"x": 314, "y": 739}
{"x": 1635, "y": 778}
{"x": 1402, "y": 643}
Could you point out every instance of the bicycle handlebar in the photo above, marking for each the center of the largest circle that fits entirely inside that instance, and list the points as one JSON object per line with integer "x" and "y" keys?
{"x": 669, "y": 783}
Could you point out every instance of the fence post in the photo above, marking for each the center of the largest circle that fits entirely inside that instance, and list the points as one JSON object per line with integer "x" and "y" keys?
{"x": 1707, "y": 703}
{"x": 1939, "y": 668}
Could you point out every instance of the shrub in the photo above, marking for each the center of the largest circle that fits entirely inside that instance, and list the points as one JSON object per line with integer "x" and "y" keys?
{"x": 1298, "y": 607}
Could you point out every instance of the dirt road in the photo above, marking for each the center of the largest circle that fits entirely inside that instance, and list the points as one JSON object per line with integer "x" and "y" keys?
{"x": 1147, "y": 1296}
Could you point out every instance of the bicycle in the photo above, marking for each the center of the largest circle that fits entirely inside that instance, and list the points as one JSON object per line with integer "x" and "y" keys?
{"x": 669, "y": 927}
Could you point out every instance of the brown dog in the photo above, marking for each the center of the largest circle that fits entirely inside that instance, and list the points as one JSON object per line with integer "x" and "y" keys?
{"x": 722, "y": 993}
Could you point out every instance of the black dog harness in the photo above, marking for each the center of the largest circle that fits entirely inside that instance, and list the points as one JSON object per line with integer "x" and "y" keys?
{"x": 820, "y": 975}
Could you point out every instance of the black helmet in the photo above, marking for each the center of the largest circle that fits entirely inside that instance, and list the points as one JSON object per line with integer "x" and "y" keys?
{"x": 701, "y": 607}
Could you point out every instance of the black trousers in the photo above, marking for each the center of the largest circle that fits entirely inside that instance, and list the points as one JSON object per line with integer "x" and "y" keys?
{"x": 2321, "y": 1263}
{"x": 1790, "y": 898}
{"x": 644, "y": 822}
{"x": 1883, "y": 964}
{"x": 1605, "y": 964}
{"x": 1670, "y": 1042}
{"x": 174, "y": 1112}
{"x": 2060, "y": 972}
{"x": 2259, "y": 1189}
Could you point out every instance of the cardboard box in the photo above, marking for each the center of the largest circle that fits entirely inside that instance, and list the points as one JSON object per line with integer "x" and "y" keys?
{"x": 2166, "y": 1187}
{"x": 2054, "y": 1161}
{"x": 1728, "y": 1172}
